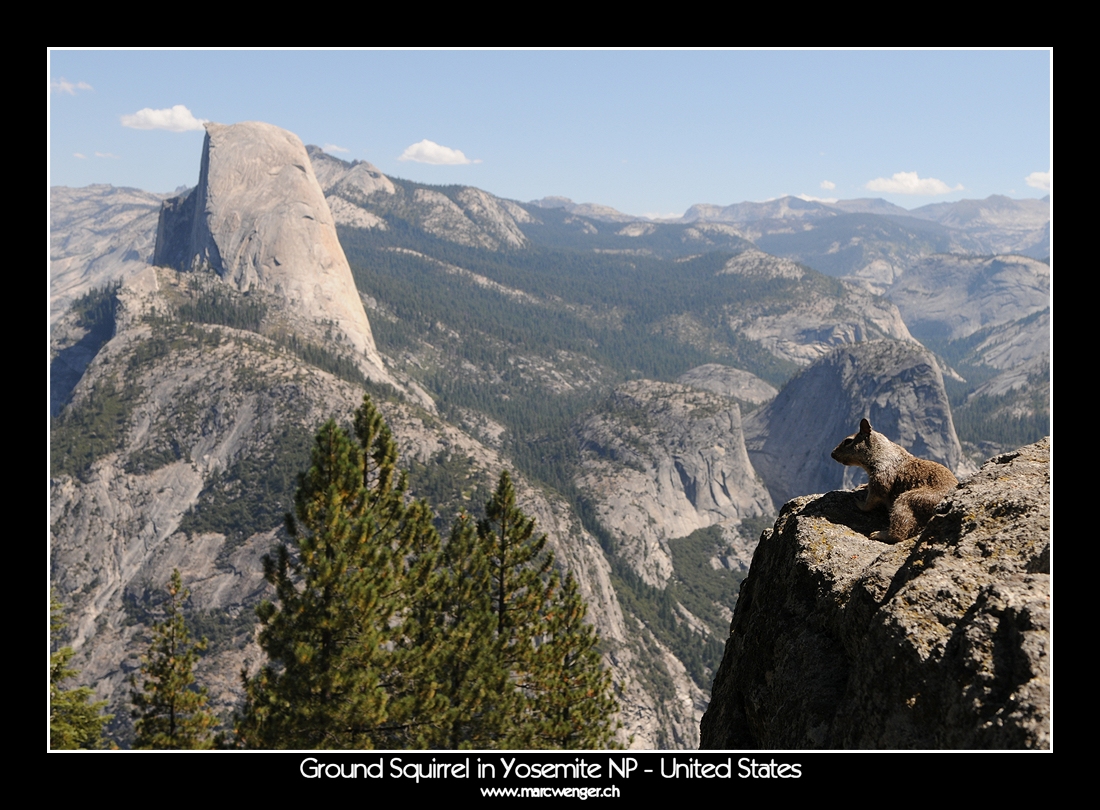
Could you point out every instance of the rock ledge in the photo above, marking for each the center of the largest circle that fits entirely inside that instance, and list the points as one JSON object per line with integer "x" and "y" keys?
{"x": 943, "y": 641}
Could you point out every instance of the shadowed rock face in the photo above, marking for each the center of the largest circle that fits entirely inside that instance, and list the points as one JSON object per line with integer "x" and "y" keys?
{"x": 896, "y": 385}
{"x": 258, "y": 218}
{"x": 942, "y": 641}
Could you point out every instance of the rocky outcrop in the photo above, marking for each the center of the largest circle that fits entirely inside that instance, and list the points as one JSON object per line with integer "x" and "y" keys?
{"x": 348, "y": 187}
{"x": 809, "y": 329}
{"x": 473, "y": 218}
{"x": 352, "y": 216}
{"x": 258, "y": 218}
{"x": 790, "y": 311}
{"x": 729, "y": 382}
{"x": 1032, "y": 377}
{"x": 755, "y": 263}
{"x": 356, "y": 181}
{"x": 661, "y": 461}
{"x": 717, "y": 233}
{"x": 1021, "y": 351}
{"x": 898, "y": 386}
{"x": 942, "y": 641}
{"x": 360, "y": 196}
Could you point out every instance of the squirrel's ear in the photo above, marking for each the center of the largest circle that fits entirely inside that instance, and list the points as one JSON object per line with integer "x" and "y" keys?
{"x": 864, "y": 426}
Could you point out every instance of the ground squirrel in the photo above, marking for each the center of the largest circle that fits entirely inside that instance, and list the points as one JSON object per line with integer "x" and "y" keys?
{"x": 910, "y": 487}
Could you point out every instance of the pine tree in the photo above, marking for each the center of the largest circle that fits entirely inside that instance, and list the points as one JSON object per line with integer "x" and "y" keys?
{"x": 170, "y": 711}
{"x": 572, "y": 696}
{"x": 518, "y": 564}
{"x": 384, "y": 637}
{"x": 519, "y": 570}
{"x": 342, "y": 671}
{"x": 75, "y": 721}
{"x": 477, "y": 697}
{"x": 562, "y": 696}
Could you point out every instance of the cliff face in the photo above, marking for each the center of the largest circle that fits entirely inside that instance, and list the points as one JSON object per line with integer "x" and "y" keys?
{"x": 898, "y": 386}
{"x": 943, "y": 641}
{"x": 661, "y": 460}
{"x": 258, "y": 218}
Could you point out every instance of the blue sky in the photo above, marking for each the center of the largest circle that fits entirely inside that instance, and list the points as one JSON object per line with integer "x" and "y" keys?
{"x": 647, "y": 132}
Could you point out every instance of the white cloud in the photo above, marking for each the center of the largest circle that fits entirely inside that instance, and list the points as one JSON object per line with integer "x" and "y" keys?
{"x": 107, "y": 155}
{"x": 430, "y": 152}
{"x": 331, "y": 147}
{"x": 828, "y": 185}
{"x": 174, "y": 119}
{"x": 909, "y": 183}
{"x": 1040, "y": 180}
{"x": 64, "y": 86}
{"x": 78, "y": 155}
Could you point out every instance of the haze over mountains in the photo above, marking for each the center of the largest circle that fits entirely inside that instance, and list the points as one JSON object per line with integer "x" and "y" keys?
{"x": 626, "y": 369}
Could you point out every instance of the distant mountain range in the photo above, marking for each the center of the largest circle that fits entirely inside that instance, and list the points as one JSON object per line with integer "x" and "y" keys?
{"x": 996, "y": 224}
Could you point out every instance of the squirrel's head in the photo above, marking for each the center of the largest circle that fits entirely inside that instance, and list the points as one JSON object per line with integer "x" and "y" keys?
{"x": 856, "y": 447}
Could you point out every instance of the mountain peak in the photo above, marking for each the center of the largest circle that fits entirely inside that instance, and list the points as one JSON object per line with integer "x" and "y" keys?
{"x": 258, "y": 218}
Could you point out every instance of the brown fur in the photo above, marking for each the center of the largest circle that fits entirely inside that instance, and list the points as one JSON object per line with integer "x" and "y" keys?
{"x": 909, "y": 487}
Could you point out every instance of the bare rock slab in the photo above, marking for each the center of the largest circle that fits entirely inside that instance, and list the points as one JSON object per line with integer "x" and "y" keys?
{"x": 258, "y": 218}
